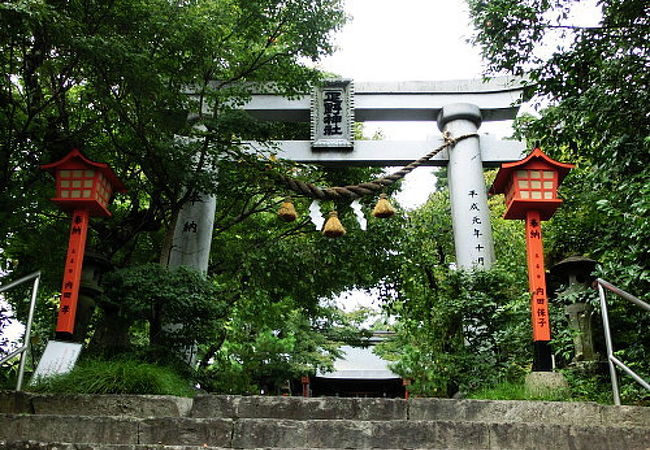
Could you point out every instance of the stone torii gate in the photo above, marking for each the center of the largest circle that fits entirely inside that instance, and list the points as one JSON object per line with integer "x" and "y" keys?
{"x": 459, "y": 107}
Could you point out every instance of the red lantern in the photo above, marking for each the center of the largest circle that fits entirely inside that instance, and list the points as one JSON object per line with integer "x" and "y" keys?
{"x": 83, "y": 184}
{"x": 83, "y": 187}
{"x": 531, "y": 184}
{"x": 530, "y": 187}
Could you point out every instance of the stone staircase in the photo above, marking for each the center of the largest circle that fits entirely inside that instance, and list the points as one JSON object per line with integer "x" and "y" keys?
{"x": 125, "y": 422}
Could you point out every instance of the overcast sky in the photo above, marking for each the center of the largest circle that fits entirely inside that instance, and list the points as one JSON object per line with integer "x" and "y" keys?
{"x": 390, "y": 40}
{"x": 404, "y": 40}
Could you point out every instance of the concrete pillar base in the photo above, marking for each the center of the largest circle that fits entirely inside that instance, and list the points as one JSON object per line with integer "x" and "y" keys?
{"x": 545, "y": 383}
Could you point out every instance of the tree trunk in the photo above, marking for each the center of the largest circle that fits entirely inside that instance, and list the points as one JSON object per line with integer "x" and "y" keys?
{"x": 111, "y": 336}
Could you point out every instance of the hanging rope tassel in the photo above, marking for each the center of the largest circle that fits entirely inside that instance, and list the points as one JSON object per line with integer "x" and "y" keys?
{"x": 383, "y": 208}
{"x": 333, "y": 227}
{"x": 287, "y": 211}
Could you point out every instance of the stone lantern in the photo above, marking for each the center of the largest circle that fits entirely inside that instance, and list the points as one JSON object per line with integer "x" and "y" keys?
{"x": 575, "y": 273}
{"x": 84, "y": 188}
{"x": 94, "y": 267}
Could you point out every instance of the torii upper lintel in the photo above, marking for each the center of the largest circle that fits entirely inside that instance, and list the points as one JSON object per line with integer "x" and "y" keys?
{"x": 457, "y": 106}
{"x": 498, "y": 99}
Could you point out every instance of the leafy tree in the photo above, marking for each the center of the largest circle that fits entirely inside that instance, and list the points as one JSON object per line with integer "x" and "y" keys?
{"x": 156, "y": 296}
{"x": 266, "y": 345}
{"x": 5, "y": 320}
{"x": 598, "y": 119}
{"x": 113, "y": 78}
{"x": 458, "y": 329}
{"x": 123, "y": 80}
{"x": 278, "y": 275}
{"x": 597, "y": 84}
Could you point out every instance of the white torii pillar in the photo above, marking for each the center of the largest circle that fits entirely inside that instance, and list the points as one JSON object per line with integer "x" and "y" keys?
{"x": 467, "y": 190}
{"x": 190, "y": 247}
{"x": 193, "y": 234}
{"x": 192, "y": 237}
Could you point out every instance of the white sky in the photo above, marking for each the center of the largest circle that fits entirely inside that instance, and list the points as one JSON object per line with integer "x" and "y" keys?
{"x": 390, "y": 40}
{"x": 404, "y": 40}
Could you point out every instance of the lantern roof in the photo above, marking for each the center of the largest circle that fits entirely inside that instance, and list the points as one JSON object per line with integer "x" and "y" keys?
{"x": 537, "y": 155}
{"x": 75, "y": 157}
{"x": 574, "y": 263}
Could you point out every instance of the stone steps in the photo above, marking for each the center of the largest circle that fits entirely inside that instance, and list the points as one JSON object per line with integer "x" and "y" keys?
{"x": 35, "y": 445}
{"x": 73, "y": 422}
{"x": 236, "y": 407}
{"x": 283, "y": 433}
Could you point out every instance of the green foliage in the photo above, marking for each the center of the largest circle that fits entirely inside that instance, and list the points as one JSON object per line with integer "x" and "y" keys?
{"x": 592, "y": 386}
{"x": 112, "y": 78}
{"x": 153, "y": 295}
{"x": 563, "y": 336}
{"x": 584, "y": 386}
{"x": 267, "y": 344}
{"x": 469, "y": 332}
{"x": 5, "y": 320}
{"x": 598, "y": 120}
{"x": 597, "y": 83}
{"x": 279, "y": 274}
{"x": 116, "y": 377}
{"x": 457, "y": 329}
{"x": 516, "y": 391}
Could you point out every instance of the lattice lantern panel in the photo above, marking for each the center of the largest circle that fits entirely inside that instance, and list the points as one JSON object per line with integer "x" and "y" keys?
{"x": 531, "y": 184}
{"x": 83, "y": 184}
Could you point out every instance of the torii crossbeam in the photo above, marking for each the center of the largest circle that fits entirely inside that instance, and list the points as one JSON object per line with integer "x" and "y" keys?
{"x": 458, "y": 107}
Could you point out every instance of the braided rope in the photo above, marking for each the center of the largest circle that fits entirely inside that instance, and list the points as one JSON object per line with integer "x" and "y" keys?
{"x": 369, "y": 188}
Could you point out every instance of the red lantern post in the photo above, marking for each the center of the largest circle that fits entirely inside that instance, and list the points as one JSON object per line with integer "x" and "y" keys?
{"x": 530, "y": 187}
{"x": 305, "y": 385}
{"x": 83, "y": 187}
{"x": 406, "y": 382}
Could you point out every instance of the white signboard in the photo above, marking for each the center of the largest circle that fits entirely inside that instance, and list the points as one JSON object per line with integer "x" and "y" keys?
{"x": 58, "y": 358}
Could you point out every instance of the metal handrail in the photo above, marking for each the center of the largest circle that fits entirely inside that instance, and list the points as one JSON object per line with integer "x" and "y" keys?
{"x": 36, "y": 276}
{"x": 611, "y": 359}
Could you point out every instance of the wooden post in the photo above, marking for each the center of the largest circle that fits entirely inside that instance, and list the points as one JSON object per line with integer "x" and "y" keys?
{"x": 406, "y": 382}
{"x": 537, "y": 277}
{"x": 539, "y": 297}
{"x": 305, "y": 386}
{"x": 72, "y": 273}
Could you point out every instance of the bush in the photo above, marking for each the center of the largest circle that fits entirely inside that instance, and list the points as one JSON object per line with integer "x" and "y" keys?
{"x": 516, "y": 391}
{"x": 116, "y": 377}
{"x": 469, "y": 333}
{"x": 159, "y": 311}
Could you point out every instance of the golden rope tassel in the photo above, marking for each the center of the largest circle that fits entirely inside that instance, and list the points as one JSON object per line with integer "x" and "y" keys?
{"x": 287, "y": 211}
{"x": 333, "y": 227}
{"x": 383, "y": 208}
